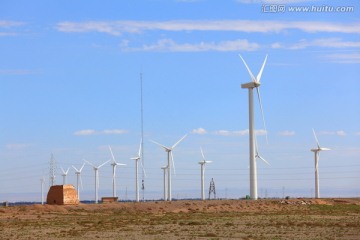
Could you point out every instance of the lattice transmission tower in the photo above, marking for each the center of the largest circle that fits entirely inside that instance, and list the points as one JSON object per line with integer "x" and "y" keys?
{"x": 212, "y": 189}
{"x": 52, "y": 171}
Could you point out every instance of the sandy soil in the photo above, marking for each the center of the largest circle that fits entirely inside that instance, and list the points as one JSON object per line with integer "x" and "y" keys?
{"x": 215, "y": 219}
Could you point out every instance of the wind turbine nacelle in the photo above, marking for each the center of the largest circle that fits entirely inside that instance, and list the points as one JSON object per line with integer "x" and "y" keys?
{"x": 250, "y": 85}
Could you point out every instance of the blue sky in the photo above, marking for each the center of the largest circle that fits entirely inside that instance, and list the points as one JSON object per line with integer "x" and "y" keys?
{"x": 70, "y": 85}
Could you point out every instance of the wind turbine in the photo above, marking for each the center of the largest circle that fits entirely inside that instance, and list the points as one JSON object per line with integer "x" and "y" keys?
{"x": 64, "y": 174}
{"x": 202, "y": 164}
{"x": 78, "y": 172}
{"x": 255, "y": 83}
{"x": 137, "y": 158}
{"x": 165, "y": 189}
{"x": 317, "y": 157}
{"x": 96, "y": 169}
{"x": 114, "y": 164}
{"x": 170, "y": 160}
{"x": 42, "y": 180}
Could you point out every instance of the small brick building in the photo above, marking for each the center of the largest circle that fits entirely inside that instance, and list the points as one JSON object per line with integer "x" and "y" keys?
{"x": 62, "y": 195}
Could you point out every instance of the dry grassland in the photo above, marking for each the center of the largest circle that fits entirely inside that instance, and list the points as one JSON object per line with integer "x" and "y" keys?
{"x": 215, "y": 219}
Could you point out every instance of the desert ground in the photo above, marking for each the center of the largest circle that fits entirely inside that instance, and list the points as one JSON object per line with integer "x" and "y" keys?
{"x": 211, "y": 219}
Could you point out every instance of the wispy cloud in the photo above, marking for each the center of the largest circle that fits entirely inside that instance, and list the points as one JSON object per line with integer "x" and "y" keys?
{"x": 287, "y": 133}
{"x": 238, "y": 133}
{"x": 338, "y": 133}
{"x": 18, "y": 71}
{"x": 17, "y": 146}
{"x": 199, "y": 131}
{"x": 88, "y": 132}
{"x": 6, "y": 28}
{"x": 168, "y": 45}
{"x": 118, "y": 28}
{"x": 343, "y": 57}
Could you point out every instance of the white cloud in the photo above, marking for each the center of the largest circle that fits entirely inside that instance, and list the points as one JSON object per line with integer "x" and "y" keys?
{"x": 169, "y": 45}
{"x": 200, "y": 131}
{"x": 9, "y": 24}
{"x": 326, "y": 43}
{"x": 338, "y": 133}
{"x": 343, "y": 57}
{"x": 238, "y": 133}
{"x": 117, "y": 28}
{"x": 287, "y": 133}
{"x": 87, "y": 132}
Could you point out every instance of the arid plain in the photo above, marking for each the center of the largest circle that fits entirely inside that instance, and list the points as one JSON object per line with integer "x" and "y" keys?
{"x": 213, "y": 219}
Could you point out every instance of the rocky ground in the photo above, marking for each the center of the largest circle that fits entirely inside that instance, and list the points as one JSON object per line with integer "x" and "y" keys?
{"x": 214, "y": 219}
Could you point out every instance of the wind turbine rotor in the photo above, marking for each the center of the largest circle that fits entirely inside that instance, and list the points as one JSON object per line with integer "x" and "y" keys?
{"x": 178, "y": 141}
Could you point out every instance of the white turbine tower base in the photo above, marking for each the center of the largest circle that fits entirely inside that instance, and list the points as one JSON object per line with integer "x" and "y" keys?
{"x": 170, "y": 160}
{"x": 114, "y": 164}
{"x": 137, "y": 159}
{"x": 202, "y": 164}
{"x": 78, "y": 177}
{"x": 96, "y": 169}
{"x": 165, "y": 187}
{"x": 255, "y": 83}
{"x": 317, "y": 157}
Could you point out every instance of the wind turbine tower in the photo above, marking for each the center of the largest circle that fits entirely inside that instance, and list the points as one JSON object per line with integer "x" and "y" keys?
{"x": 64, "y": 174}
{"x": 170, "y": 159}
{"x": 164, "y": 168}
{"x": 202, "y": 164}
{"x": 78, "y": 176}
{"x": 42, "y": 180}
{"x": 114, "y": 164}
{"x": 255, "y": 83}
{"x": 96, "y": 169}
{"x": 317, "y": 157}
{"x": 137, "y": 159}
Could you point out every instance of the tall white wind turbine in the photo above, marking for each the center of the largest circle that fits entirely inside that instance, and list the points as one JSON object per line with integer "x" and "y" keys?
{"x": 137, "y": 159}
{"x": 255, "y": 83}
{"x": 202, "y": 164}
{"x": 78, "y": 177}
{"x": 317, "y": 157}
{"x": 114, "y": 164}
{"x": 64, "y": 174}
{"x": 96, "y": 169}
{"x": 170, "y": 161}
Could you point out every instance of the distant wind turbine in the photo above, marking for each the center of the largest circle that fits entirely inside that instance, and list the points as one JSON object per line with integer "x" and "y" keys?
{"x": 78, "y": 176}
{"x": 170, "y": 160}
{"x": 137, "y": 159}
{"x": 64, "y": 174}
{"x": 96, "y": 169}
{"x": 114, "y": 164}
{"x": 202, "y": 164}
{"x": 42, "y": 180}
{"x": 317, "y": 157}
{"x": 255, "y": 83}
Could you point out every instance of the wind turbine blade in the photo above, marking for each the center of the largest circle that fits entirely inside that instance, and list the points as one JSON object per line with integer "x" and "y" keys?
{"x": 317, "y": 163}
{"x": 82, "y": 167}
{"x": 317, "y": 141}
{"x": 81, "y": 184}
{"x": 139, "y": 154}
{"x": 208, "y": 161}
{"x": 202, "y": 153}
{"x": 112, "y": 155}
{"x": 262, "y": 112}
{"x": 248, "y": 69}
{"x": 89, "y": 163}
{"x": 263, "y": 160}
{"x": 173, "y": 163}
{"x": 76, "y": 169}
{"x": 67, "y": 171}
{"x": 178, "y": 141}
{"x": 63, "y": 171}
{"x": 114, "y": 173}
{"x": 103, "y": 164}
{"x": 325, "y": 149}
{"x": 166, "y": 148}
{"x": 258, "y": 77}
{"x": 142, "y": 167}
